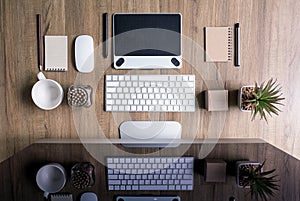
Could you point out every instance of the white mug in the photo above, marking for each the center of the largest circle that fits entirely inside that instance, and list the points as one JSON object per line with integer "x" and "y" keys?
{"x": 51, "y": 178}
{"x": 47, "y": 94}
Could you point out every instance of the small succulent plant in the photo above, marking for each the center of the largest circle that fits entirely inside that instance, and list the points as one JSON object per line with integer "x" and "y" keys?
{"x": 262, "y": 99}
{"x": 262, "y": 184}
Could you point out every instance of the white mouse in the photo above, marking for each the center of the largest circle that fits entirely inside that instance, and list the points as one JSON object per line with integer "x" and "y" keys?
{"x": 88, "y": 196}
{"x": 84, "y": 53}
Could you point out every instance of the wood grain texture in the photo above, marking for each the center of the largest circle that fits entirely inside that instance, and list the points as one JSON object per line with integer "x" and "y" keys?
{"x": 18, "y": 172}
{"x": 269, "y": 48}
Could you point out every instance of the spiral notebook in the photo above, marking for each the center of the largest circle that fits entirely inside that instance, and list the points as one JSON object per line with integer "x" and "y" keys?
{"x": 61, "y": 197}
{"x": 56, "y": 53}
{"x": 218, "y": 44}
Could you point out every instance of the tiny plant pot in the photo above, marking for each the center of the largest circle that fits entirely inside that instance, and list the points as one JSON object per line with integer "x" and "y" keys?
{"x": 242, "y": 167}
{"x": 241, "y": 103}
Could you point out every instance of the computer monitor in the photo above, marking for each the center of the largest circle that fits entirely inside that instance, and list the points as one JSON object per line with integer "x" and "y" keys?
{"x": 147, "y": 41}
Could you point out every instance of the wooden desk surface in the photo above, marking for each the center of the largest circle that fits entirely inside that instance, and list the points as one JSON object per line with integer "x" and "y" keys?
{"x": 18, "y": 172}
{"x": 269, "y": 48}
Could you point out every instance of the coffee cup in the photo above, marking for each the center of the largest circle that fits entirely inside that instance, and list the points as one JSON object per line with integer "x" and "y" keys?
{"x": 47, "y": 94}
{"x": 51, "y": 178}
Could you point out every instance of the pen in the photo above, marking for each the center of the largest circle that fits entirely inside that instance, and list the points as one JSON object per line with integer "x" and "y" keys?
{"x": 39, "y": 42}
{"x": 237, "y": 46}
{"x": 105, "y": 35}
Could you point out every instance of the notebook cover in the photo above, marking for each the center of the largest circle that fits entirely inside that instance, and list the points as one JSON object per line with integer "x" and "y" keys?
{"x": 218, "y": 44}
{"x": 56, "y": 53}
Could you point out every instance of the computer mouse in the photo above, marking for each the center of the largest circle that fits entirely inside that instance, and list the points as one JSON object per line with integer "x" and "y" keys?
{"x": 84, "y": 53}
{"x": 88, "y": 196}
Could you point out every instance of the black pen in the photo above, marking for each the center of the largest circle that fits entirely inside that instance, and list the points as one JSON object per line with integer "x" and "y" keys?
{"x": 105, "y": 35}
{"x": 237, "y": 45}
{"x": 39, "y": 42}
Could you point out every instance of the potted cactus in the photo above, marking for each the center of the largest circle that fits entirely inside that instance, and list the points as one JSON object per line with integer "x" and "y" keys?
{"x": 262, "y": 100}
{"x": 261, "y": 183}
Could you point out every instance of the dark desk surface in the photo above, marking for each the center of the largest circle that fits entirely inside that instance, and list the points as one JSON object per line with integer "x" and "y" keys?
{"x": 18, "y": 172}
{"x": 269, "y": 48}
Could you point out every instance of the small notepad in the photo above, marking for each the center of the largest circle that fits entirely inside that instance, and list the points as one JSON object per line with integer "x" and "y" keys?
{"x": 218, "y": 44}
{"x": 61, "y": 197}
{"x": 56, "y": 53}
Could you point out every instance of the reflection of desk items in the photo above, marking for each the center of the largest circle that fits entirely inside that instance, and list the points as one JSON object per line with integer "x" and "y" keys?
{"x": 216, "y": 100}
{"x": 56, "y": 53}
{"x": 89, "y": 196}
{"x": 150, "y": 133}
{"x": 148, "y": 198}
{"x": 150, "y": 93}
{"x": 150, "y": 173}
{"x": 82, "y": 175}
{"x": 218, "y": 44}
{"x": 215, "y": 170}
{"x": 147, "y": 41}
{"x": 61, "y": 197}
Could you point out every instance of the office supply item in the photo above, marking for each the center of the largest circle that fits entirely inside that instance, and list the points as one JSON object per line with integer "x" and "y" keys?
{"x": 148, "y": 198}
{"x": 80, "y": 95}
{"x": 216, "y": 100}
{"x": 151, "y": 132}
{"x": 214, "y": 170}
{"x": 105, "y": 35}
{"x": 84, "y": 53}
{"x": 88, "y": 196}
{"x": 56, "y": 53}
{"x": 237, "y": 45}
{"x": 82, "y": 175}
{"x": 51, "y": 178}
{"x": 151, "y": 93}
{"x": 150, "y": 173}
{"x": 39, "y": 42}
{"x": 61, "y": 197}
{"x": 147, "y": 41}
{"x": 47, "y": 94}
{"x": 218, "y": 44}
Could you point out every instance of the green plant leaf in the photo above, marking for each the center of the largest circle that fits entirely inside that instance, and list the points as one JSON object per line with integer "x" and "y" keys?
{"x": 264, "y": 99}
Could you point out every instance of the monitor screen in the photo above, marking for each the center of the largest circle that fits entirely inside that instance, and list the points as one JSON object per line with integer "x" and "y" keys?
{"x": 147, "y": 34}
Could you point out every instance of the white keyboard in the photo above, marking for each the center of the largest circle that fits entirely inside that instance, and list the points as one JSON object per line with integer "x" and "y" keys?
{"x": 150, "y": 93}
{"x": 150, "y": 173}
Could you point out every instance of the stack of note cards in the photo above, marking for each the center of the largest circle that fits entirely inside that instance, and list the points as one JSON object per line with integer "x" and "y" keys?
{"x": 218, "y": 44}
{"x": 56, "y": 53}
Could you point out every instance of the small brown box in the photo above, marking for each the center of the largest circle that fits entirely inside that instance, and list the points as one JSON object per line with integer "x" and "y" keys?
{"x": 214, "y": 170}
{"x": 216, "y": 100}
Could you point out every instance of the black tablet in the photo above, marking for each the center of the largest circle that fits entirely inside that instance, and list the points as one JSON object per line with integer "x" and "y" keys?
{"x": 142, "y": 40}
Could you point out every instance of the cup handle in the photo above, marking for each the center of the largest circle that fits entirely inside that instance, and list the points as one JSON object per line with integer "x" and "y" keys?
{"x": 46, "y": 194}
{"x": 41, "y": 76}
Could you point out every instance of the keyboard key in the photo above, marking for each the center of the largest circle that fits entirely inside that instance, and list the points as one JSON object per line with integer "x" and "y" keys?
{"x": 154, "y": 187}
{"x": 114, "y": 182}
{"x": 112, "y": 84}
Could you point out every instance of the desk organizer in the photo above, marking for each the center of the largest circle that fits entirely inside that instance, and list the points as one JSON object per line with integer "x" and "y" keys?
{"x": 82, "y": 175}
{"x": 80, "y": 96}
